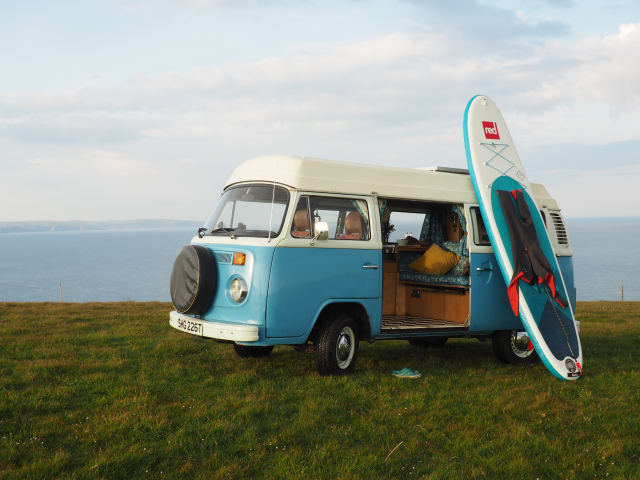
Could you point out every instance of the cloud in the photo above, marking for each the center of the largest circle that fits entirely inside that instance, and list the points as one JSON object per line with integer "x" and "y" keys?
{"x": 561, "y": 3}
{"x": 583, "y": 156}
{"x": 489, "y": 28}
{"x": 400, "y": 81}
{"x": 395, "y": 99}
{"x": 238, "y": 3}
{"x": 602, "y": 69}
{"x": 76, "y": 127}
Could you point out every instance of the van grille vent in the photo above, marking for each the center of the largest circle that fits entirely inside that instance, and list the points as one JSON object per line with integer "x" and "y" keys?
{"x": 222, "y": 257}
{"x": 561, "y": 231}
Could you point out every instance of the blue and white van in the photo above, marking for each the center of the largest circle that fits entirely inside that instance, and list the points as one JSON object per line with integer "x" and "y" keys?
{"x": 319, "y": 254}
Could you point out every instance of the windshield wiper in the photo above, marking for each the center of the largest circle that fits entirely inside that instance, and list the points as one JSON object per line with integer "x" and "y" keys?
{"x": 221, "y": 230}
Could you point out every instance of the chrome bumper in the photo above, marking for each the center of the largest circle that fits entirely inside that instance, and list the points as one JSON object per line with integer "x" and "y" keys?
{"x": 217, "y": 330}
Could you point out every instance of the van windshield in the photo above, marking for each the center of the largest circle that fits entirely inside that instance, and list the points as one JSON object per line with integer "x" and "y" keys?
{"x": 249, "y": 211}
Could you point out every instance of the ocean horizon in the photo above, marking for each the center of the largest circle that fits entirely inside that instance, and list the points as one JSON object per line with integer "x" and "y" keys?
{"x": 135, "y": 264}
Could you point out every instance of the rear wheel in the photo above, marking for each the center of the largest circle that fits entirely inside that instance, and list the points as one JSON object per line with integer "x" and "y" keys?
{"x": 428, "y": 342}
{"x": 337, "y": 344}
{"x": 246, "y": 351}
{"x": 514, "y": 347}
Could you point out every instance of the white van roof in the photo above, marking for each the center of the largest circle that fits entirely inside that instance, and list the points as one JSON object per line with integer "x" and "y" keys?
{"x": 439, "y": 184}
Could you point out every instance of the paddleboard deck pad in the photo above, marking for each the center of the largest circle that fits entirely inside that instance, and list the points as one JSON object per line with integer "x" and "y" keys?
{"x": 520, "y": 241}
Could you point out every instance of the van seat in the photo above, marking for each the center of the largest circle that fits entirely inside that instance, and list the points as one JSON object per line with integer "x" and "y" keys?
{"x": 408, "y": 275}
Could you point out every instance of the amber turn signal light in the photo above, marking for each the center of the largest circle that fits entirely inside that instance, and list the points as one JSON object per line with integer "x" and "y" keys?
{"x": 239, "y": 258}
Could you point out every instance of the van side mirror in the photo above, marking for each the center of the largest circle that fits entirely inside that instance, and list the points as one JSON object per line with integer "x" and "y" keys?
{"x": 321, "y": 230}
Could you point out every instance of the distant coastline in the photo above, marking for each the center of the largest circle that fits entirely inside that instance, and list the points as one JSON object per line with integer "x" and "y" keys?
{"x": 166, "y": 224}
{"x": 604, "y": 219}
{"x": 80, "y": 226}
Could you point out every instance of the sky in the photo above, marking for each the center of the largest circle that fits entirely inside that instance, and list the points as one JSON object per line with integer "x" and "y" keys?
{"x": 142, "y": 109}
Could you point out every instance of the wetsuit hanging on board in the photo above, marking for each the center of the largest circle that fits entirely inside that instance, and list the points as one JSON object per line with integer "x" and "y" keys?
{"x": 530, "y": 263}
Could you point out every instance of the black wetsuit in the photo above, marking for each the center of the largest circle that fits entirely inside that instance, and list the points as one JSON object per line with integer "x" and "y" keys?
{"x": 529, "y": 262}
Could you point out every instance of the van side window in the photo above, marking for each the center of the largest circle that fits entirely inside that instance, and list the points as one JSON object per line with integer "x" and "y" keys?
{"x": 480, "y": 235}
{"x": 348, "y": 219}
{"x": 301, "y": 226}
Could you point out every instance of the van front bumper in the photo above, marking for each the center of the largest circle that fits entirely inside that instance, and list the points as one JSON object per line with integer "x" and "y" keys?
{"x": 217, "y": 330}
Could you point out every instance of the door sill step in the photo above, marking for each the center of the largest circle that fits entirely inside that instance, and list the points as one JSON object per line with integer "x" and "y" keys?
{"x": 392, "y": 322}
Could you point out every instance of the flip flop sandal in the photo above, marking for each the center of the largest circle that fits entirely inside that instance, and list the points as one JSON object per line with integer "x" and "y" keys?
{"x": 406, "y": 373}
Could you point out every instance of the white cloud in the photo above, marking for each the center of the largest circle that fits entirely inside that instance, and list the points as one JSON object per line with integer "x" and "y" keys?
{"x": 598, "y": 69}
{"x": 395, "y": 99}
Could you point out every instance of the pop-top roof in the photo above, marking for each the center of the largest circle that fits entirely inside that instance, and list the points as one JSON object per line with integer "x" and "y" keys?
{"x": 440, "y": 184}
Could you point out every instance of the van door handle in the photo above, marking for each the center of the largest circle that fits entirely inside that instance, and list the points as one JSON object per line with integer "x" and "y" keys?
{"x": 370, "y": 266}
{"x": 484, "y": 269}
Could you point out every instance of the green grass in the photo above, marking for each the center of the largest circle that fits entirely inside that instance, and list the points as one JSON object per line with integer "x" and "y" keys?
{"x": 112, "y": 391}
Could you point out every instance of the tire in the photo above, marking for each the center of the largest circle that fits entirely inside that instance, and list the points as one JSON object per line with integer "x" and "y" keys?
{"x": 248, "y": 351}
{"x": 511, "y": 346}
{"x": 428, "y": 342}
{"x": 336, "y": 346}
{"x": 194, "y": 279}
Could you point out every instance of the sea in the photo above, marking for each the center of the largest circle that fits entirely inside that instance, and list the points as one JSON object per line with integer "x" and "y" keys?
{"x": 135, "y": 265}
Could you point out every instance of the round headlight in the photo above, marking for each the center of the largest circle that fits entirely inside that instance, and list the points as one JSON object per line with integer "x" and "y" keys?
{"x": 237, "y": 290}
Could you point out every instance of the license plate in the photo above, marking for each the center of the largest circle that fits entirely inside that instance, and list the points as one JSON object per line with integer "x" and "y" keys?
{"x": 190, "y": 326}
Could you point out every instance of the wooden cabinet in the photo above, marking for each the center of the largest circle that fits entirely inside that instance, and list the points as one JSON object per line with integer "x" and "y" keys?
{"x": 439, "y": 304}
{"x": 390, "y": 282}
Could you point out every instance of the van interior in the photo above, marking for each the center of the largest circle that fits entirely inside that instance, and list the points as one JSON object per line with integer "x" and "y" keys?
{"x": 425, "y": 265}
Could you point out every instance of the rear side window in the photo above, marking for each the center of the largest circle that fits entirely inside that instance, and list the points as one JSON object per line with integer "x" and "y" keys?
{"x": 348, "y": 219}
{"x": 480, "y": 235}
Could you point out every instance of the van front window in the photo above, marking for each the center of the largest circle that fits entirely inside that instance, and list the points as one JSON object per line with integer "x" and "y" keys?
{"x": 249, "y": 211}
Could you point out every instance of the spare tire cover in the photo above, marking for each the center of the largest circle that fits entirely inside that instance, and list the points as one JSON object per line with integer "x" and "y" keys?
{"x": 193, "y": 280}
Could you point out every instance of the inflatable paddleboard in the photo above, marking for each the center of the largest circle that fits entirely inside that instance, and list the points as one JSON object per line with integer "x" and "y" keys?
{"x": 521, "y": 244}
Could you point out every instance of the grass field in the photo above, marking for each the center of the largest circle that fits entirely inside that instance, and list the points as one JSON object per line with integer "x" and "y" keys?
{"x": 112, "y": 391}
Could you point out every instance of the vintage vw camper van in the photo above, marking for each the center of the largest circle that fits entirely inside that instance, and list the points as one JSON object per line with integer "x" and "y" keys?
{"x": 320, "y": 254}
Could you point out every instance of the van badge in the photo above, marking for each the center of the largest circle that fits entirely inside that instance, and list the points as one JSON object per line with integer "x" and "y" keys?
{"x": 490, "y": 130}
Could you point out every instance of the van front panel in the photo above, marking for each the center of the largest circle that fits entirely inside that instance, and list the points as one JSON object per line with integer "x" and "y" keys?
{"x": 255, "y": 273}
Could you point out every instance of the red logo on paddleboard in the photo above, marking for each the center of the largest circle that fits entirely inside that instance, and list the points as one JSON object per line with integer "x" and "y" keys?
{"x": 490, "y": 130}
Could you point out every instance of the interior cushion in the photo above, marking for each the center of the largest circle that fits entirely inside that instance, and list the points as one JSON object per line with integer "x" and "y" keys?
{"x": 461, "y": 268}
{"x": 435, "y": 261}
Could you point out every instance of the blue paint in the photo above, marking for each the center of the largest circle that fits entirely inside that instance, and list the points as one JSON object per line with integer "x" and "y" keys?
{"x": 302, "y": 279}
{"x": 252, "y": 310}
{"x": 372, "y": 306}
{"x": 490, "y": 309}
{"x": 289, "y": 287}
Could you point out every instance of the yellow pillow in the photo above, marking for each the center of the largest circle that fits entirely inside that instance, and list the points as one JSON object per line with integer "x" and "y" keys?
{"x": 435, "y": 261}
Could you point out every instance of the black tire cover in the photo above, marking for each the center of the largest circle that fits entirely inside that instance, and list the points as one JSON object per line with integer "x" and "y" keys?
{"x": 194, "y": 278}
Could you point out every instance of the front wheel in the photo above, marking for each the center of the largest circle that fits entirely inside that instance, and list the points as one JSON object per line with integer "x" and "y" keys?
{"x": 514, "y": 347}
{"x": 247, "y": 351}
{"x": 336, "y": 347}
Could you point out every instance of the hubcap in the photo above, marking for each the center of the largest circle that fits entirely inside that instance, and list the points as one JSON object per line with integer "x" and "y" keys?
{"x": 345, "y": 347}
{"x": 520, "y": 344}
